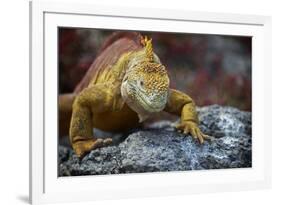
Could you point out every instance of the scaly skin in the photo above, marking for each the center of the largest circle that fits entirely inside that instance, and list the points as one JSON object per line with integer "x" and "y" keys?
{"x": 124, "y": 94}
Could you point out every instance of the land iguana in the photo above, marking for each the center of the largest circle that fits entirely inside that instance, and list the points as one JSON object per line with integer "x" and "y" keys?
{"x": 124, "y": 86}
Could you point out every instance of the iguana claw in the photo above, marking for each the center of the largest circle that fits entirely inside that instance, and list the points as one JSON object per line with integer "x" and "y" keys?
{"x": 193, "y": 129}
{"x": 83, "y": 147}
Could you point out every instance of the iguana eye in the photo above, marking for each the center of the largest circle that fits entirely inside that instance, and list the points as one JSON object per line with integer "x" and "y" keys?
{"x": 141, "y": 83}
{"x": 125, "y": 79}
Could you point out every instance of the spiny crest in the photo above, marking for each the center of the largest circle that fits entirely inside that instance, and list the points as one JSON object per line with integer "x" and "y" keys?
{"x": 147, "y": 43}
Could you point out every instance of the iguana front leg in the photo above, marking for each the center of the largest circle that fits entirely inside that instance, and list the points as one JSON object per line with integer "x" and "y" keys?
{"x": 95, "y": 99}
{"x": 182, "y": 105}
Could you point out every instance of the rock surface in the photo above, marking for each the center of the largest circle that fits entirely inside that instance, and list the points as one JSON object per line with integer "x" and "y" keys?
{"x": 161, "y": 148}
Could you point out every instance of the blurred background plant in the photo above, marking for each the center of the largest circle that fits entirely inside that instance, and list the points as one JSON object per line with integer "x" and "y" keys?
{"x": 212, "y": 69}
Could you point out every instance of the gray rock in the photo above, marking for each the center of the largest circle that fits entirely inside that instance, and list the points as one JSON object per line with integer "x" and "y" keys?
{"x": 160, "y": 148}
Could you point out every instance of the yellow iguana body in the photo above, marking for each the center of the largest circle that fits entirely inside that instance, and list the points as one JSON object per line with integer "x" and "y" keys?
{"x": 124, "y": 86}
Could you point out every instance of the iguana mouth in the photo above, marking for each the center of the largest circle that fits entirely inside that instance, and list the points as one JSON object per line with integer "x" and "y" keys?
{"x": 137, "y": 99}
{"x": 151, "y": 107}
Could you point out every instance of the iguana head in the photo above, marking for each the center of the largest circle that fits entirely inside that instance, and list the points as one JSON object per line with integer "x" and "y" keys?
{"x": 145, "y": 86}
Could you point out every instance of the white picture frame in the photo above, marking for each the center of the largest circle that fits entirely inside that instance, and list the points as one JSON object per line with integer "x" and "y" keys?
{"x": 46, "y": 187}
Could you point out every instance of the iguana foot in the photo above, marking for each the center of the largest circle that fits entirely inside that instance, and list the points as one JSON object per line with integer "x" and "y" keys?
{"x": 81, "y": 148}
{"x": 193, "y": 129}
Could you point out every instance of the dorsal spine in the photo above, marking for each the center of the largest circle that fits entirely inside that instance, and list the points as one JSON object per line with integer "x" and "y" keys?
{"x": 147, "y": 43}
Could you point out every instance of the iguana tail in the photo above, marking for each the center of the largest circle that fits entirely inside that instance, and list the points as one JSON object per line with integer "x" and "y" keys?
{"x": 65, "y": 112}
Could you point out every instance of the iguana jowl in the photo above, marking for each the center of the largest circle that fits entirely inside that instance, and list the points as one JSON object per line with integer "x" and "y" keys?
{"x": 124, "y": 86}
